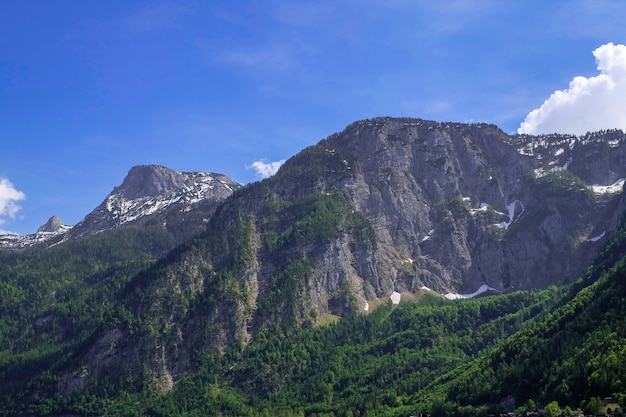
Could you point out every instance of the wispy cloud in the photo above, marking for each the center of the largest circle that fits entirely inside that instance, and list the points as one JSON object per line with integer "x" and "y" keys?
{"x": 306, "y": 14}
{"x": 156, "y": 17}
{"x": 275, "y": 57}
{"x": 9, "y": 197}
{"x": 589, "y": 104}
{"x": 136, "y": 21}
{"x": 600, "y": 19}
{"x": 266, "y": 169}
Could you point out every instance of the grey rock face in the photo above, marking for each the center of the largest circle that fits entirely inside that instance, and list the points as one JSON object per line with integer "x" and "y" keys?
{"x": 453, "y": 208}
{"x": 458, "y": 206}
{"x": 148, "y": 189}
{"x": 54, "y": 224}
{"x": 150, "y": 181}
{"x": 597, "y": 157}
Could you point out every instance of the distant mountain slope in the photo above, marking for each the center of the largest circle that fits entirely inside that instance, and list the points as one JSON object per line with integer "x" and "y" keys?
{"x": 147, "y": 191}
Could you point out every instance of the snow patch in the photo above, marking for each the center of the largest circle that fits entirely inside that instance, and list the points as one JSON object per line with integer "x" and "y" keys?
{"x": 483, "y": 207}
{"x": 596, "y": 238}
{"x": 425, "y": 238}
{"x": 483, "y": 289}
{"x": 616, "y": 187}
{"x": 511, "y": 208}
{"x": 572, "y": 144}
{"x": 566, "y": 166}
{"x": 366, "y": 307}
{"x": 453, "y": 296}
{"x": 395, "y": 297}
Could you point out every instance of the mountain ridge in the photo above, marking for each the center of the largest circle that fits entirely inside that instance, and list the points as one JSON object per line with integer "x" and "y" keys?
{"x": 431, "y": 190}
{"x": 145, "y": 191}
{"x": 434, "y": 193}
{"x": 340, "y": 228}
{"x": 388, "y": 210}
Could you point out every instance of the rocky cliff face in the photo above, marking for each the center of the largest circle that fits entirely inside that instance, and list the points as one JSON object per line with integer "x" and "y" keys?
{"x": 449, "y": 207}
{"x": 458, "y": 206}
{"x": 401, "y": 205}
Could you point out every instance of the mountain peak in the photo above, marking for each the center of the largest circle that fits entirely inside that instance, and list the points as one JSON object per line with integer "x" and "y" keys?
{"x": 54, "y": 224}
{"x": 149, "y": 189}
{"x": 146, "y": 191}
{"x": 150, "y": 181}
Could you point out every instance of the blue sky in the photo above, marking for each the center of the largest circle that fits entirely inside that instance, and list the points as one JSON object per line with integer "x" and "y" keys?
{"x": 90, "y": 89}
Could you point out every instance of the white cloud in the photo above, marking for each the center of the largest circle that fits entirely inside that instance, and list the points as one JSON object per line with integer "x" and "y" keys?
{"x": 589, "y": 104}
{"x": 8, "y": 198}
{"x": 266, "y": 169}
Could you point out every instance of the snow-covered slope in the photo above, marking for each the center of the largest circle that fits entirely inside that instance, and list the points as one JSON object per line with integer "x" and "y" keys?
{"x": 150, "y": 189}
{"x": 12, "y": 241}
{"x": 146, "y": 191}
{"x": 579, "y": 154}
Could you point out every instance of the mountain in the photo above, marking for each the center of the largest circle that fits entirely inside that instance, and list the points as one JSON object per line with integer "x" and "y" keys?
{"x": 50, "y": 232}
{"x": 53, "y": 225}
{"x": 396, "y": 205}
{"x": 147, "y": 191}
{"x": 464, "y": 205}
{"x": 387, "y": 205}
{"x": 151, "y": 189}
{"x": 178, "y": 278}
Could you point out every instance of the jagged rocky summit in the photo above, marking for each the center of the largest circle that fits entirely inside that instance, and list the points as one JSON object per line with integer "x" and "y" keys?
{"x": 149, "y": 189}
{"x": 53, "y": 225}
{"x": 146, "y": 191}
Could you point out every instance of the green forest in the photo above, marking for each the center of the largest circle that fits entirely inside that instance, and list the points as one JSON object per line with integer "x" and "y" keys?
{"x": 518, "y": 352}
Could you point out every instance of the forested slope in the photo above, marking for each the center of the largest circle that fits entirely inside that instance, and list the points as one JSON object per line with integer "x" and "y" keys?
{"x": 464, "y": 357}
{"x": 577, "y": 352}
